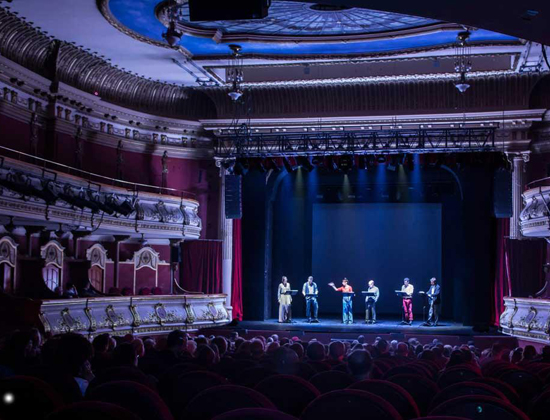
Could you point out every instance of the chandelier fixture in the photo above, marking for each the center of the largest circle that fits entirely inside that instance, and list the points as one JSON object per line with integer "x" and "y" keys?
{"x": 463, "y": 60}
{"x": 234, "y": 74}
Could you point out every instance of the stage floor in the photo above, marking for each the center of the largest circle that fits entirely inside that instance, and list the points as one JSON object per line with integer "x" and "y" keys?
{"x": 381, "y": 327}
{"x": 326, "y": 330}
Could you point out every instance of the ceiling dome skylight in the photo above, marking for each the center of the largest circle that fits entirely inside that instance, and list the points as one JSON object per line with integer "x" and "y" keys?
{"x": 289, "y": 18}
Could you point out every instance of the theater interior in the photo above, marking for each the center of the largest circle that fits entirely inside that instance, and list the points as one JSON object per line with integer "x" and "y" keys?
{"x": 165, "y": 164}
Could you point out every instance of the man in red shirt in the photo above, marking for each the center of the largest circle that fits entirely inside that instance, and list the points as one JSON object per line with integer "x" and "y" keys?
{"x": 347, "y": 308}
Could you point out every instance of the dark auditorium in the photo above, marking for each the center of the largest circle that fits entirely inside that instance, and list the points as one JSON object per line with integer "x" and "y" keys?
{"x": 274, "y": 210}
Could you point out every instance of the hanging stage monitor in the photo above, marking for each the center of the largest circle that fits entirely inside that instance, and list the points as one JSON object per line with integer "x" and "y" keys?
{"x": 204, "y": 10}
{"x": 502, "y": 194}
{"x": 233, "y": 197}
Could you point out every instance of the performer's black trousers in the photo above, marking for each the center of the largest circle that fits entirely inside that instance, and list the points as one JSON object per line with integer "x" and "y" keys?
{"x": 371, "y": 310}
{"x": 434, "y": 313}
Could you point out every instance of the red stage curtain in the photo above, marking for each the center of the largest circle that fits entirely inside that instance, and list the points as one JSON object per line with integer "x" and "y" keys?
{"x": 501, "y": 286}
{"x": 237, "y": 272}
{"x": 518, "y": 270}
{"x": 202, "y": 266}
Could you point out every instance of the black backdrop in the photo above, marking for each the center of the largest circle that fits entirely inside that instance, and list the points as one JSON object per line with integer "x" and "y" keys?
{"x": 278, "y": 232}
{"x": 381, "y": 241}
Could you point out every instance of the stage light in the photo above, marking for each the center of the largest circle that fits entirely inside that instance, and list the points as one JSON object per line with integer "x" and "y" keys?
{"x": 273, "y": 165}
{"x": 288, "y": 165}
{"x": 345, "y": 163}
{"x": 402, "y": 159}
{"x": 363, "y": 162}
{"x": 261, "y": 166}
{"x": 241, "y": 167}
{"x": 392, "y": 166}
{"x": 381, "y": 159}
{"x": 305, "y": 163}
{"x": 316, "y": 160}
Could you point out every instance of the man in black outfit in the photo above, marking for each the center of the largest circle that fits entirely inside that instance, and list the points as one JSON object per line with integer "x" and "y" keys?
{"x": 435, "y": 299}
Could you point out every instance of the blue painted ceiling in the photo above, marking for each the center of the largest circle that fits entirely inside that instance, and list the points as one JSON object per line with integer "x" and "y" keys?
{"x": 139, "y": 16}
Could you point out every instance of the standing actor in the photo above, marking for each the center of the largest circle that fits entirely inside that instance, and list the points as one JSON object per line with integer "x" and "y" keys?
{"x": 370, "y": 301}
{"x": 285, "y": 312}
{"x": 311, "y": 292}
{"x": 408, "y": 288}
{"x": 347, "y": 308}
{"x": 435, "y": 300}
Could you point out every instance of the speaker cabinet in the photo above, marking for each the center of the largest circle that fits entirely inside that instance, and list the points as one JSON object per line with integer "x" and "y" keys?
{"x": 233, "y": 197}
{"x": 502, "y": 194}
{"x": 204, "y": 10}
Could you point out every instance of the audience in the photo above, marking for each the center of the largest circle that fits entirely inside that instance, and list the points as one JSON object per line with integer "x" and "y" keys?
{"x": 165, "y": 361}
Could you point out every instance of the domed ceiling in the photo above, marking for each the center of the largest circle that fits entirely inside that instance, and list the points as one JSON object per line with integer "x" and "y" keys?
{"x": 292, "y": 28}
{"x": 298, "y": 42}
{"x": 289, "y": 18}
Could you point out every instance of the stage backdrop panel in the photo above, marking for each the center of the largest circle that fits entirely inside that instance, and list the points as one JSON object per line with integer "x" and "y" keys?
{"x": 385, "y": 242}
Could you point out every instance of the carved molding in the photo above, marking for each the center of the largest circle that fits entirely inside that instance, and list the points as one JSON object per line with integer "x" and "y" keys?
{"x": 52, "y": 253}
{"x": 27, "y": 45}
{"x": 137, "y": 315}
{"x": 8, "y": 251}
{"x": 526, "y": 318}
{"x": 97, "y": 255}
{"x": 146, "y": 257}
{"x": 534, "y": 219}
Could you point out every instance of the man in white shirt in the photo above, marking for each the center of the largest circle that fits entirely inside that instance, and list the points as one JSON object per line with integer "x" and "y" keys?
{"x": 310, "y": 291}
{"x": 408, "y": 288}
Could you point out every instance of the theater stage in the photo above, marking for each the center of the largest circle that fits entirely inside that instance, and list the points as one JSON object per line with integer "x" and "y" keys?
{"x": 448, "y": 332}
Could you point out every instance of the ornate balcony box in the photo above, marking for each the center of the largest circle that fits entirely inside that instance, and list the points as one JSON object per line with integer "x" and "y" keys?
{"x": 526, "y": 318}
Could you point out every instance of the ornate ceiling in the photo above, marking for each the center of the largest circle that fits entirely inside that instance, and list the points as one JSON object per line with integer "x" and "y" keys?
{"x": 115, "y": 48}
{"x": 289, "y": 18}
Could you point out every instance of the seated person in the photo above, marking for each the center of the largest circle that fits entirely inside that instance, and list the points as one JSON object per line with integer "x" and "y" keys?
{"x": 89, "y": 291}
{"x": 70, "y": 291}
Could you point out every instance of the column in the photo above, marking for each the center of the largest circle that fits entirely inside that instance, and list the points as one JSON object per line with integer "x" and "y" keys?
{"x": 519, "y": 161}
{"x": 226, "y": 235}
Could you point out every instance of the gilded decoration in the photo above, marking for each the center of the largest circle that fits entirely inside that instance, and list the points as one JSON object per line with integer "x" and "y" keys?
{"x": 136, "y": 315}
{"x": 136, "y": 319}
{"x": 90, "y": 315}
{"x": 527, "y": 318}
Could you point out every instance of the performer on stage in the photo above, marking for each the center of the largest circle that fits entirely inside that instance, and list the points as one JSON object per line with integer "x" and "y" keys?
{"x": 408, "y": 288}
{"x": 347, "y": 309}
{"x": 433, "y": 296}
{"x": 311, "y": 292}
{"x": 285, "y": 312}
{"x": 370, "y": 301}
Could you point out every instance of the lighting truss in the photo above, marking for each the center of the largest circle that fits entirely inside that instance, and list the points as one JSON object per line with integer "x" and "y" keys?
{"x": 237, "y": 145}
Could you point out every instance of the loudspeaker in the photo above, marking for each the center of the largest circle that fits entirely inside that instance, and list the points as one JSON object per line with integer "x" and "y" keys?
{"x": 233, "y": 197}
{"x": 228, "y": 10}
{"x": 175, "y": 254}
{"x": 502, "y": 194}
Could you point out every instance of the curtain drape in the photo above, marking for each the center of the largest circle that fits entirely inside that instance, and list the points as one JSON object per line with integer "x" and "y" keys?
{"x": 518, "y": 270}
{"x": 202, "y": 266}
{"x": 237, "y": 272}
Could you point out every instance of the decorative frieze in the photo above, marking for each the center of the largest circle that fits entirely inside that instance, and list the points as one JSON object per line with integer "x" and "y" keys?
{"x": 28, "y": 193}
{"x": 526, "y": 318}
{"x": 137, "y": 315}
{"x": 534, "y": 219}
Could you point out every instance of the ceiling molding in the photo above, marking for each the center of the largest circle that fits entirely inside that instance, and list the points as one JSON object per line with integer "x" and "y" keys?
{"x": 28, "y": 46}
